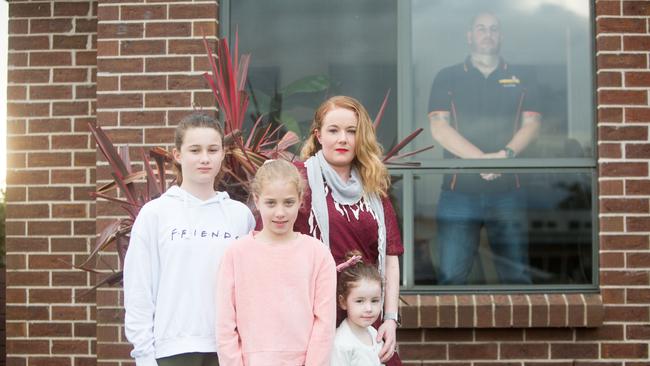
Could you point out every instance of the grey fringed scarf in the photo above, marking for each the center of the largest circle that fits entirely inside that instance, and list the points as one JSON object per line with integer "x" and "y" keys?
{"x": 347, "y": 193}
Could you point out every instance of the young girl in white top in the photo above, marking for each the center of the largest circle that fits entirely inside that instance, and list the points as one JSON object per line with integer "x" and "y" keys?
{"x": 277, "y": 288}
{"x": 177, "y": 241}
{"x": 359, "y": 294}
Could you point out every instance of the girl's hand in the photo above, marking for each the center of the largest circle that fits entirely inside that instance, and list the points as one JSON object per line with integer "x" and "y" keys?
{"x": 386, "y": 332}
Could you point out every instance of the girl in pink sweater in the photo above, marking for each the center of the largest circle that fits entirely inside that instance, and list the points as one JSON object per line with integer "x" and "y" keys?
{"x": 276, "y": 296}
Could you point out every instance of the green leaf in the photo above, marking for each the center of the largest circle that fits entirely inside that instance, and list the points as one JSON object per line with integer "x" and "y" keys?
{"x": 308, "y": 84}
{"x": 290, "y": 123}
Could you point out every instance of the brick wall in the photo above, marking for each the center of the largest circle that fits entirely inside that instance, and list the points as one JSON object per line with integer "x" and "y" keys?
{"x": 50, "y": 217}
{"x": 148, "y": 63}
{"x": 150, "y": 59}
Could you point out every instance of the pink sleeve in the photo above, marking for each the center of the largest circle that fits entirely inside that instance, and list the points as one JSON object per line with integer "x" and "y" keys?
{"x": 394, "y": 244}
{"x": 321, "y": 341}
{"x": 228, "y": 342}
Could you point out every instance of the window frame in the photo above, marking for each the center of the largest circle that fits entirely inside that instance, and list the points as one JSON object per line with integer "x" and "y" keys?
{"x": 440, "y": 166}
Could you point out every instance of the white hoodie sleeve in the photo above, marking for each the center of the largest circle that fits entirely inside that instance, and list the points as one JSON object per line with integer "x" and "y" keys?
{"x": 140, "y": 287}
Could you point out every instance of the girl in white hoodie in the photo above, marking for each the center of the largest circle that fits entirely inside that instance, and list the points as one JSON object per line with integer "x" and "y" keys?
{"x": 177, "y": 241}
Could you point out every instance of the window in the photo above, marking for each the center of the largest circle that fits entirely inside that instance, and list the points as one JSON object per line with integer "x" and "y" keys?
{"x": 532, "y": 226}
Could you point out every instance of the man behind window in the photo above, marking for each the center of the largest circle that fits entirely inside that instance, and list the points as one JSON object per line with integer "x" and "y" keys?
{"x": 483, "y": 108}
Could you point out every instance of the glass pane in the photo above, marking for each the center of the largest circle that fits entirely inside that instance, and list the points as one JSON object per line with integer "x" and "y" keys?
{"x": 489, "y": 65}
{"x": 537, "y": 231}
{"x": 305, "y": 51}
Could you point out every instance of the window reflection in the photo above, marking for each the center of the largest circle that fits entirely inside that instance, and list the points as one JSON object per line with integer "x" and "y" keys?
{"x": 554, "y": 234}
{"x": 546, "y": 41}
{"x": 303, "y": 52}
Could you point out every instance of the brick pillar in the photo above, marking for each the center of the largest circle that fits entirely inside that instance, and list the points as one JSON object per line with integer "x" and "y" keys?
{"x": 150, "y": 59}
{"x": 50, "y": 216}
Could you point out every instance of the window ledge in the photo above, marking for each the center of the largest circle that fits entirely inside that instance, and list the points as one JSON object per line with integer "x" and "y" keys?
{"x": 502, "y": 311}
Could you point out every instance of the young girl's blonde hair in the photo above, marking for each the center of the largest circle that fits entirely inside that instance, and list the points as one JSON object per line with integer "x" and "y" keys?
{"x": 374, "y": 175}
{"x": 350, "y": 276}
{"x": 278, "y": 169}
{"x": 195, "y": 120}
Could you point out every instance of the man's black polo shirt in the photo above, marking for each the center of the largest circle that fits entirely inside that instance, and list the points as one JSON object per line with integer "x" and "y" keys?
{"x": 486, "y": 111}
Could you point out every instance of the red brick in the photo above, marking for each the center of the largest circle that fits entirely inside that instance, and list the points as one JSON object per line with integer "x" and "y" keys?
{"x": 18, "y": 26}
{"x": 67, "y": 142}
{"x": 106, "y": 12}
{"x": 29, "y": 43}
{"x": 84, "y": 159}
{"x": 608, "y": 43}
{"x": 614, "y": 205}
{"x": 71, "y": 8}
{"x": 69, "y": 313}
{"x": 28, "y": 109}
{"x": 574, "y": 350}
{"x": 165, "y": 30}
{"x": 108, "y": 48}
{"x": 622, "y": 278}
{"x": 49, "y": 193}
{"x": 132, "y": 100}
{"x": 637, "y": 151}
{"x": 108, "y": 83}
{"x": 69, "y": 42}
{"x": 144, "y": 82}
{"x": 637, "y": 331}
{"x": 53, "y": 296}
{"x": 623, "y": 133}
{"x": 637, "y": 223}
{"x": 143, "y": 118}
{"x": 618, "y": 25}
{"x": 29, "y": 10}
{"x": 611, "y": 187}
{"x": 625, "y": 351}
{"x": 28, "y": 76}
{"x": 16, "y": 92}
{"x": 608, "y": 8}
{"x": 485, "y": 351}
{"x": 548, "y": 334}
{"x": 69, "y": 75}
{"x": 637, "y": 187}
{"x": 624, "y": 169}
{"x": 193, "y": 11}
{"x": 612, "y": 260}
{"x": 627, "y": 97}
{"x": 69, "y": 245}
{"x": 18, "y": 59}
{"x": 53, "y": 25}
{"x": 50, "y": 92}
{"x": 28, "y": 347}
{"x": 50, "y": 330}
{"x": 147, "y": 12}
{"x": 88, "y": 91}
{"x": 611, "y": 79}
{"x": 120, "y": 65}
{"x": 50, "y": 261}
{"x": 626, "y": 313}
{"x": 124, "y": 30}
{"x": 622, "y": 61}
{"x": 29, "y": 278}
{"x": 16, "y": 194}
{"x": 69, "y": 347}
{"x": 523, "y": 350}
{"x": 185, "y": 82}
{"x": 168, "y": 64}
{"x": 611, "y": 151}
{"x": 624, "y": 242}
{"x": 27, "y": 177}
{"x": 636, "y": 8}
{"x": 54, "y": 58}
{"x": 610, "y": 114}
{"x": 88, "y": 26}
{"x": 186, "y": 46}
{"x": 18, "y": 211}
{"x": 142, "y": 47}
{"x": 77, "y": 278}
{"x": 69, "y": 210}
{"x": 207, "y": 29}
{"x": 20, "y": 143}
{"x": 70, "y": 108}
{"x": 423, "y": 351}
{"x": 166, "y": 100}
{"x": 87, "y": 58}
{"x": 638, "y": 260}
{"x": 612, "y": 332}
{"x": 49, "y": 361}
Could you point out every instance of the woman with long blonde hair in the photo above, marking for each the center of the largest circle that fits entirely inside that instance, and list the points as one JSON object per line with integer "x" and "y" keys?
{"x": 346, "y": 204}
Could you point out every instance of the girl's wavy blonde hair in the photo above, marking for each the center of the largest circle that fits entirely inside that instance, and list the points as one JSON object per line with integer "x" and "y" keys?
{"x": 374, "y": 175}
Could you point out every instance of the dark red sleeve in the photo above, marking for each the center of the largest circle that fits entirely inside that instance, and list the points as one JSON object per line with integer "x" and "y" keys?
{"x": 394, "y": 244}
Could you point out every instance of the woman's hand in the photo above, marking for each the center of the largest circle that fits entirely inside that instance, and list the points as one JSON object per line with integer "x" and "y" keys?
{"x": 386, "y": 332}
